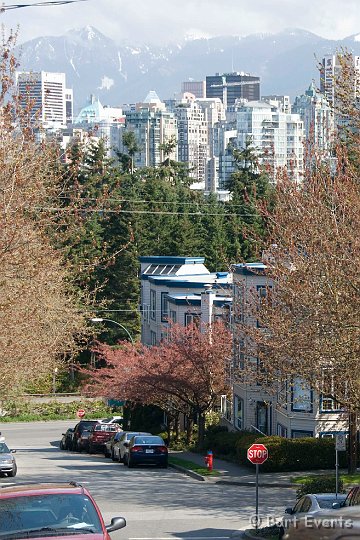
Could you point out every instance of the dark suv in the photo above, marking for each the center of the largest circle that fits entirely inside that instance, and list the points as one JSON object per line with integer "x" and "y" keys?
{"x": 79, "y": 428}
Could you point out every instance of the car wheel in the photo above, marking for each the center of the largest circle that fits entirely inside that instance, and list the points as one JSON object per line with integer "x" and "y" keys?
{"x": 113, "y": 455}
{"x": 62, "y": 446}
{"x": 13, "y": 472}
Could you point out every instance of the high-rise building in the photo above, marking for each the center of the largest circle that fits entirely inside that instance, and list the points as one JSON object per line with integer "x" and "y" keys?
{"x": 198, "y": 88}
{"x": 317, "y": 115}
{"x": 48, "y": 91}
{"x": 330, "y": 72}
{"x": 232, "y": 86}
{"x": 193, "y": 140}
{"x": 276, "y": 136}
{"x": 152, "y": 126}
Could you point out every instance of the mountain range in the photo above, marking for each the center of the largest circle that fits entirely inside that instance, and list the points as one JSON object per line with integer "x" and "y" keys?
{"x": 286, "y": 62}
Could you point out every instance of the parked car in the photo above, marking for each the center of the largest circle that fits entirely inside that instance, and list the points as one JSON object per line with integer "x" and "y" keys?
{"x": 108, "y": 448}
{"x": 7, "y": 460}
{"x": 79, "y": 428}
{"x": 119, "y": 448}
{"x": 99, "y": 435}
{"x": 310, "y": 504}
{"x": 112, "y": 420}
{"x": 352, "y": 499}
{"x": 341, "y": 524}
{"x": 146, "y": 449}
{"x": 83, "y": 441}
{"x": 52, "y": 510}
{"x": 67, "y": 439}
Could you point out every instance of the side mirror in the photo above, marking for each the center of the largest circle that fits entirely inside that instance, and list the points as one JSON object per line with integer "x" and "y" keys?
{"x": 13, "y": 451}
{"x": 116, "y": 524}
{"x": 289, "y": 510}
{"x": 336, "y": 505}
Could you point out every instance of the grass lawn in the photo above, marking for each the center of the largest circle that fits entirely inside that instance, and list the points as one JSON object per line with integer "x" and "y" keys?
{"x": 348, "y": 479}
{"x": 192, "y": 466}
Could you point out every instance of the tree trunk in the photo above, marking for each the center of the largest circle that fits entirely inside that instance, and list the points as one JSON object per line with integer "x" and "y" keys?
{"x": 177, "y": 426}
{"x": 168, "y": 429}
{"x": 189, "y": 430}
{"x": 201, "y": 433}
{"x": 352, "y": 463}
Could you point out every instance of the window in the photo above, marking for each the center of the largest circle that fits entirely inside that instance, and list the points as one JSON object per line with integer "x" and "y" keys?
{"x": 281, "y": 431}
{"x": 192, "y": 318}
{"x": 299, "y": 434}
{"x": 329, "y": 404}
{"x": 301, "y": 396}
{"x": 153, "y": 305}
{"x": 153, "y": 337}
{"x": 239, "y": 412}
{"x": 173, "y": 316}
{"x": 164, "y": 307}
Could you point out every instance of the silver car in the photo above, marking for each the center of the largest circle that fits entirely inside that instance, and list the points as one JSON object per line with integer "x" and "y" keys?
{"x": 7, "y": 460}
{"x": 120, "y": 447}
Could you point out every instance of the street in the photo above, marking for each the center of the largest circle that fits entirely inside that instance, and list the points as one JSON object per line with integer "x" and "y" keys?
{"x": 158, "y": 504}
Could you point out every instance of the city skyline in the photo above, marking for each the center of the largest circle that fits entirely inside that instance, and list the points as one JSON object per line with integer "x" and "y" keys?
{"x": 164, "y": 21}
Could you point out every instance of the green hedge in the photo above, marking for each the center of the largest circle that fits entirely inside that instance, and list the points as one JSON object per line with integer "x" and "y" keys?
{"x": 303, "y": 454}
{"x": 319, "y": 484}
{"x": 284, "y": 454}
{"x": 27, "y": 411}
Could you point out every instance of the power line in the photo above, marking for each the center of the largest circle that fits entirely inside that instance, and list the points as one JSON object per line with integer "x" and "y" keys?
{"x": 158, "y": 212}
{"x": 40, "y": 4}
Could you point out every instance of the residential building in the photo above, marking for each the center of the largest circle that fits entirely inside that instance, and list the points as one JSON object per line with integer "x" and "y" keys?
{"x": 180, "y": 290}
{"x": 329, "y": 76}
{"x": 283, "y": 103}
{"x": 198, "y": 88}
{"x": 317, "y": 115}
{"x": 102, "y": 122}
{"x": 289, "y": 408}
{"x": 277, "y": 137}
{"x": 192, "y": 138}
{"x": 152, "y": 125}
{"x": 232, "y": 86}
{"x": 48, "y": 92}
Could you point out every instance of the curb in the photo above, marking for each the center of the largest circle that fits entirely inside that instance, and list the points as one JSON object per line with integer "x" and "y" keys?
{"x": 193, "y": 474}
{"x": 253, "y": 484}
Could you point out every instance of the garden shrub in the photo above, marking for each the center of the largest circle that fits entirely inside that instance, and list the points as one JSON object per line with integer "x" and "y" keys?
{"x": 298, "y": 454}
{"x": 319, "y": 484}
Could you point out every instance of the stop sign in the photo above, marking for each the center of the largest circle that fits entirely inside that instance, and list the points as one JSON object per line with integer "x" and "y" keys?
{"x": 80, "y": 413}
{"x": 257, "y": 454}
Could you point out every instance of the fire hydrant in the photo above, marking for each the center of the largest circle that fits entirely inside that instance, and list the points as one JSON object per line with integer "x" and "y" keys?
{"x": 209, "y": 460}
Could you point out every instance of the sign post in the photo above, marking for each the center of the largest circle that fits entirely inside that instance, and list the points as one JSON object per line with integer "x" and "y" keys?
{"x": 340, "y": 445}
{"x": 80, "y": 413}
{"x": 257, "y": 454}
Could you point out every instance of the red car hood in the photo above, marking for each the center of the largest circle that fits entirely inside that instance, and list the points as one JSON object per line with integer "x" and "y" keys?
{"x": 97, "y": 536}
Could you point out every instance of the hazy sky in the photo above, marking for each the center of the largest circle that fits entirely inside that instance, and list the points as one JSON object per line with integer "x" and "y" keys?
{"x": 161, "y": 21}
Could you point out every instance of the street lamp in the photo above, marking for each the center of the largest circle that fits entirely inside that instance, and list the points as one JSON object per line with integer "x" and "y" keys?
{"x": 100, "y": 320}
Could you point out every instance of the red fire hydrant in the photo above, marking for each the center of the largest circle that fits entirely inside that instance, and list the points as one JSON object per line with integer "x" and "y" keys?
{"x": 209, "y": 460}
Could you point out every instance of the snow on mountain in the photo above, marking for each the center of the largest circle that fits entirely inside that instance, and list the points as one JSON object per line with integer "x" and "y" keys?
{"x": 286, "y": 62}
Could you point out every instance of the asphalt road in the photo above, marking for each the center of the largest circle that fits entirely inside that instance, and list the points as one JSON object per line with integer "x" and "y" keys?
{"x": 158, "y": 504}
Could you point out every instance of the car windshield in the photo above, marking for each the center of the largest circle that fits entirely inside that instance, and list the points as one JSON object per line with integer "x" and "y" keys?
{"x": 328, "y": 502}
{"x": 48, "y": 515}
{"x": 148, "y": 440}
{"x": 3, "y": 448}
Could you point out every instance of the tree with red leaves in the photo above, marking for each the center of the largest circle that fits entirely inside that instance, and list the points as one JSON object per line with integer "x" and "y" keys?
{"x": 185, "y": 373}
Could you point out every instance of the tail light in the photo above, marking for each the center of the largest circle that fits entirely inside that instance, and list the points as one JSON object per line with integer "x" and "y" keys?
{"x": 136, "y": 449}
{"x": 162, "y": 449}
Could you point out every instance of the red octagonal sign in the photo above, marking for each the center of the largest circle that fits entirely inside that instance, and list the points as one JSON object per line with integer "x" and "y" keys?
{"x": 257, "y": 454}
{"x": 80, "y": 413}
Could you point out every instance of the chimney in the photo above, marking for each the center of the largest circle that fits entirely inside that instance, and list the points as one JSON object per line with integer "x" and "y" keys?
{"x": 207, "y": 304}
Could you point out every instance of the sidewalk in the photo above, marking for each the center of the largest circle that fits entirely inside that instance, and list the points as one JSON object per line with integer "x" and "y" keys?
{"x": 233, "y": 474}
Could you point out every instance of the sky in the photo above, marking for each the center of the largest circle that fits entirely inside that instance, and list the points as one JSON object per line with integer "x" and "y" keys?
{"x": 164, "y": 21}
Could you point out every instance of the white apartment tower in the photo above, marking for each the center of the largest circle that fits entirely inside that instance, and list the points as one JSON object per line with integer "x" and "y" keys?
{"x": 329, "y": 75}
{"x": 278, "y": 137}
{"x": 48, "y": 90}
{"x": 193, "y": 140}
